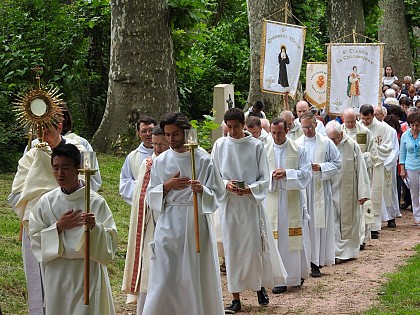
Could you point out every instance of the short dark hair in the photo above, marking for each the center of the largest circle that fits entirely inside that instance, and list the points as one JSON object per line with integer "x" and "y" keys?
{"x": 157, "y": 131}
{"x": 395, "y": 110}
{"x": 68, "y": 150}
{"x": 406, "y": 101}
{"x": 413, "y": 118}
{"x": 253, "y": 121}
{"x": 147, "y": 120}
{"x": 234, "y": 114}
{"x": 258, "y": 105}
{"x": 278, "y": 121}
{"x": 175, "y": 118}
{"x": 366, "y": 109}
{"x": 67, "y": 121}
{"x": 392, "y": 121}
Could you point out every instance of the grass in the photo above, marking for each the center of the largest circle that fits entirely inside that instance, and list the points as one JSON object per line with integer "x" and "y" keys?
{"x": 401, "y": 295}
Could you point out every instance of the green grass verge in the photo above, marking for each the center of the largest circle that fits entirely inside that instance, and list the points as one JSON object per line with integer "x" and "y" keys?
{"x": 401, "y": 294}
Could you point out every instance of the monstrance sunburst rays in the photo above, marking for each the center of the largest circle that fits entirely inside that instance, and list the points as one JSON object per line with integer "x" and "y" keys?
{"x": 39, "y": 108}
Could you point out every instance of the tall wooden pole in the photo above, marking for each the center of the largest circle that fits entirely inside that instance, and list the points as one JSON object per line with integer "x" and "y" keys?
{"x": 194, "y": 177}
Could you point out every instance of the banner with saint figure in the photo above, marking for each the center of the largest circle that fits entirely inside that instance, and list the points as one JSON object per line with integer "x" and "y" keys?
{"x": 281, "y": 57}
{"x": 354, "y": 76}
{"x": 316, "y": 83}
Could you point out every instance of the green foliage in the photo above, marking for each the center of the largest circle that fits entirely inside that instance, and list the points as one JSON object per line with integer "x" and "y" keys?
{"x": 70, "y": 42}
{"x": 204, "y": 129}
{"x": 219, "y": 53}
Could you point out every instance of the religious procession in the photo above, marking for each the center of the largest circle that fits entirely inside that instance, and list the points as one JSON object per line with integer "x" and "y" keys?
{"x": 283, "y": 190}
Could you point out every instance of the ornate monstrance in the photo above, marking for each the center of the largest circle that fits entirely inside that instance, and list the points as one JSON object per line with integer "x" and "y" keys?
{"x": 39, "y": 108}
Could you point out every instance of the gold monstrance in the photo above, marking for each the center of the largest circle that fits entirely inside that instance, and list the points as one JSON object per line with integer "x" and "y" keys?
{"x": 89, "y": 167}
{"x": 191, "y": 141}
{"x": 36, "y": 110}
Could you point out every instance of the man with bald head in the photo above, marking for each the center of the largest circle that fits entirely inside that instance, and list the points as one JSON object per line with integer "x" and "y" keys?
{"x": 351, "y": 190}
{"x": 303, "y": 107}
{"x": 357, "y": 131}
{"x": 293, "y": 126}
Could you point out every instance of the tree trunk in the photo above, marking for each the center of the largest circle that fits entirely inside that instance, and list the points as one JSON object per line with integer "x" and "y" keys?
{"x": 142, "y": 71}
{"x": 346, "y": 15}
{"x": 257, "y": 10}
{"x": 393, "y": 32}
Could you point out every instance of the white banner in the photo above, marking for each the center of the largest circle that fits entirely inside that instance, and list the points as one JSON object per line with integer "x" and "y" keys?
{"x": 282, "y": 53}
{"x": 316, "y": 83}
{"x": 355, "y": 73}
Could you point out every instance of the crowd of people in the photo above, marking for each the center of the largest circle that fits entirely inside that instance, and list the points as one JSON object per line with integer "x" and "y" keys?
{"x": 277, "y": 200}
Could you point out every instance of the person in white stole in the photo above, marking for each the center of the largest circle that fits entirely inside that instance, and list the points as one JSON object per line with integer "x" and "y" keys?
{"x": 392, "y": 204}
{"x": 293, "y": 126}
{"x": 362, "y": 135}
{"x": 286, "y": 209}
{"x": 303, "y": 107}
{"x": 57, "y": 234}
{"x": 381, "y": 149}
{"x": 326, "y": 164}
{"x": 132, "y": 163}
{"x": 252, "y": 259}
{"x": 182, "y": 281}
{"x": 141, "y": 230}
{"x": 351, "y": 190}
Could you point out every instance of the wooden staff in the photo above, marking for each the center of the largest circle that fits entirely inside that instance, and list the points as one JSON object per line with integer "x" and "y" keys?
{"x": 193, "y": 177}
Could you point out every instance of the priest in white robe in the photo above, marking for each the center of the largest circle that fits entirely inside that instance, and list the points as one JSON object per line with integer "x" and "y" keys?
{"x": 131, "y": 166}
{"x": 293, "y": 126}
{"x": 57, "y": 233}
{"x": 252, "y": 259}
{"x": 351, "y": 190}
{"x": 141, "y": 230}
{"x": 182, "y": 281}
{"x": 326, "y": 164}
{"x": 381, "y": 149}
{"x": 291, "y": 173}
{"x": 303, "y": 107}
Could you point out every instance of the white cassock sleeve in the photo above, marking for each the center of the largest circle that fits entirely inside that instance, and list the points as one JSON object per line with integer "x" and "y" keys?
{"x": 332, "y": 164}
{"x": 127, "y": 182}
{"x": 300, "y": 178}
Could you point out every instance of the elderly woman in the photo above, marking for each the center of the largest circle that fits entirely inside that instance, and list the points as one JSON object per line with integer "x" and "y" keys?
{"x": 410, "y": 162}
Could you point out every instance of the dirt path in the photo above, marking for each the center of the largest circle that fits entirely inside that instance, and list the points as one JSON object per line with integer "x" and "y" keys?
{"x": 346, "y": 288}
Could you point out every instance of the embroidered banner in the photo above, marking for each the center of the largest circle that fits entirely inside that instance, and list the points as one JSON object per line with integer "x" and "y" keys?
{"x": 354, "y": 76}
{"x": 316, "y": 83}
{"x": 281, "y": 57}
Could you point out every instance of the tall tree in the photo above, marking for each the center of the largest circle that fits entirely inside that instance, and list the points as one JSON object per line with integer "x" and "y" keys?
{"x": 345, "y": 15}
{"x": 394, "y": 33}
{"x": 142, "y": 71}
{"x": 257, "y": 10}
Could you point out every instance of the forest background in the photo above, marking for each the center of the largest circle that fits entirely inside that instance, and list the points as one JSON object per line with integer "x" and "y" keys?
{"x": 209, "y": 43}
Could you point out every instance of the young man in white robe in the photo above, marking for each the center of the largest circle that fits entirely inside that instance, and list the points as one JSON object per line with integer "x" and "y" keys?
{"x": 131, "y": 166}
{"x": 182, "y": 281}
{"x": 141, "y": 230}
{"x": 34, "y": 178}
{"x": 253, "y": 125}
{"x": 291, "y": 173}
{"x": 381, "y": 150}
{"x": 252, "y": 259}
{"x": 351, "y": 190}
{"x": 57, "y": 233}
{"x": 326, "y": 164}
